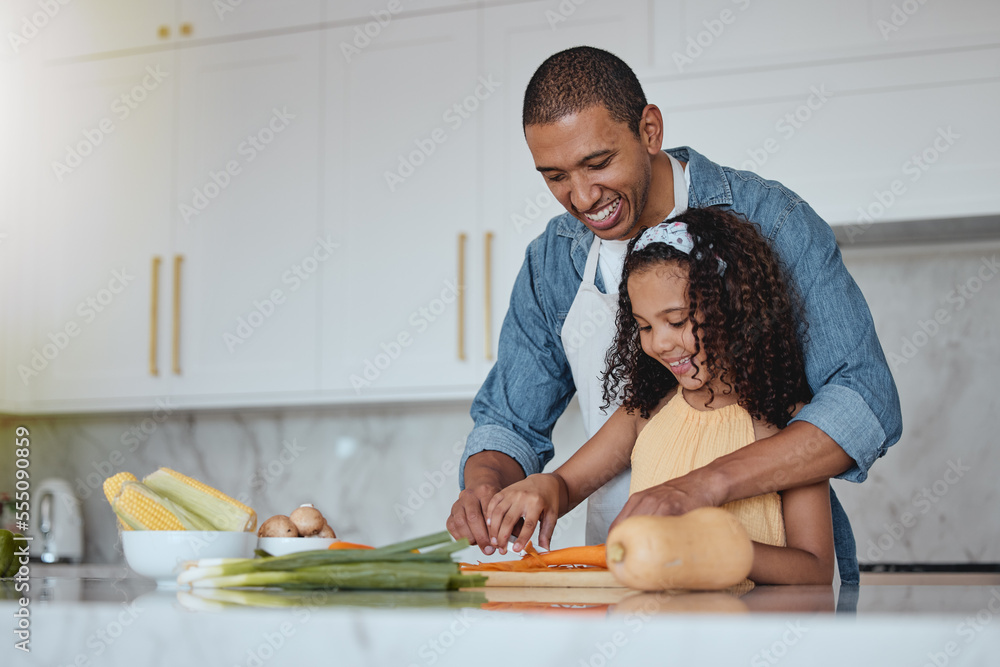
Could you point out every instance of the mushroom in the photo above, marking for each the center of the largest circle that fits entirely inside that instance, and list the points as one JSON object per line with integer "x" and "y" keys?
{"x": 278, "y": 526}
{"x": 308, "y": 520}
{"x": 327, "y": 532}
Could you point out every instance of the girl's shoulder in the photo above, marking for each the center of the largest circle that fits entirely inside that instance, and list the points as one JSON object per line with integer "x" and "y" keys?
{"x": 762, "y": 429}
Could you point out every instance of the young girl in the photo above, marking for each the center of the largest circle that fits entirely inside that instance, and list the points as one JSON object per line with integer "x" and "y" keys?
{"x": 706, "y": 360}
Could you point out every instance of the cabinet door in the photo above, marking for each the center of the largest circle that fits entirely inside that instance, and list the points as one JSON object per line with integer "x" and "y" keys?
{"x": 63, "y": 29}
{"x": 381, "y": 13}
{"x": 246, "y": 218}
{"x": 402, "y": 177}
{"x": 99, "y": 177}
{"x": 14, "y": 242}
{"x": 517, "y": 205}
{"x": 242, "y": 17}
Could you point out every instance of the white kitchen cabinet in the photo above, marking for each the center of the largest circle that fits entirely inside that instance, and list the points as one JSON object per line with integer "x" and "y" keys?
{"x": 384, "y": 12}
{"x": 14, "y": 241}
{"x": 844, "y": 135}
{"x": 69, "y": 30}
{"x": 695, "y": 37}
{"x": 210, "y": 164}
{"x": 698, "y": 37}
{"x": 98, "y": 175}
{"x": 219, "y": 18}
{"x": 245, "y": 221}
{"x": 402, "y": 177}
{"x": 108, "y": 27}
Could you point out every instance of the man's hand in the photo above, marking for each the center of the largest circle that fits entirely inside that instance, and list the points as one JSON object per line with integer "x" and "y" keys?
{"x": 468, "y": 516}
{"x": 678, "y": 496}
{"x": 485, "y": 474}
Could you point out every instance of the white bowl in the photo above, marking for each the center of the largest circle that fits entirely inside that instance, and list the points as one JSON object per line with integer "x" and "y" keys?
{"x": 282, "y": 546}
{"x": 161, "y": 554}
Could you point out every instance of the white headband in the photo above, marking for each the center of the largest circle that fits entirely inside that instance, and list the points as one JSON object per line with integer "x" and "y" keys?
{"x": 675, "y": 235}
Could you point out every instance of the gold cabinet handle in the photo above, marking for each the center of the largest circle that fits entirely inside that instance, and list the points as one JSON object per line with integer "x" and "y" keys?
{"x": 175, "y": 353}
{"x": 163, "y": 32}
{"x": 488, "y": 297}
{"x": 187, "y": 29}
{"x": 154, "y": 316}
{"x": 461, "y": 296}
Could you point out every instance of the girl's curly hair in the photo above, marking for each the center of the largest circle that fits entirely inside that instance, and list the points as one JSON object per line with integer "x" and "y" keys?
{"x": 746, "y": 319}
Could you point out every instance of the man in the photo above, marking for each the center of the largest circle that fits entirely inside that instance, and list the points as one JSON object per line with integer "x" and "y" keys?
{"x": 598, "y": 144}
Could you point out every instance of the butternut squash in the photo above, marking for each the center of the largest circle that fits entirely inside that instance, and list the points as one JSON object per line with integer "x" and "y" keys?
{"x": 705, "y": 549}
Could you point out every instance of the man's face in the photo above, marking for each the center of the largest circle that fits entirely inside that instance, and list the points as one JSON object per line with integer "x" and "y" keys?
{"x": 596, "y": 167}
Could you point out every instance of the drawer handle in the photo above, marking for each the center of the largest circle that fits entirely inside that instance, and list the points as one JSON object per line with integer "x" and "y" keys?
{"x": 488, "y": 297}
{"x": 154, "y": 319}
{"x": 461, "y": 296}
{"x": 176, "y": 343}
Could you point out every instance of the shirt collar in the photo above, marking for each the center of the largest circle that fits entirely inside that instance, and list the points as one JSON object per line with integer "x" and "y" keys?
{"x": 709, "y": 185}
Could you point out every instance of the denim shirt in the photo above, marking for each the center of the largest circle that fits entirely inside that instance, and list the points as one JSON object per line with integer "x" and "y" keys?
{"x": 854, "y": 396}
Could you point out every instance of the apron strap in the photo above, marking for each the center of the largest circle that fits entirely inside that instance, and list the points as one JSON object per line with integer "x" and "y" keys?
{"x": 680, "y": 187}
{"x": 590, "y": 270}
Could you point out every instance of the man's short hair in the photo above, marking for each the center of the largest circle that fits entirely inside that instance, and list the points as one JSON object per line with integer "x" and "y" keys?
{"x": 579, "y": 78}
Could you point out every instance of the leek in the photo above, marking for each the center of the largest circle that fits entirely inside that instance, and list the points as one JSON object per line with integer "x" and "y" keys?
{"x": 396, "y": 567}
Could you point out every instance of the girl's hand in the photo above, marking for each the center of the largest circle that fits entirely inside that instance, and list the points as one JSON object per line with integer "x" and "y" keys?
{"x": 534, "y": 498}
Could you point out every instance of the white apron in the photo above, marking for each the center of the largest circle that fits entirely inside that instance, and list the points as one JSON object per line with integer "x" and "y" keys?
{"x": 587, "y": 333}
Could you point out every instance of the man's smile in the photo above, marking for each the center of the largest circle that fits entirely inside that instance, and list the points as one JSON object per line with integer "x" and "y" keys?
{"x": 607, "y": 216}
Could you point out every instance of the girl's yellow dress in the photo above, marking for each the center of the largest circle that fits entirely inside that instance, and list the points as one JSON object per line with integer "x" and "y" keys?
{"x": 679, "y": 439}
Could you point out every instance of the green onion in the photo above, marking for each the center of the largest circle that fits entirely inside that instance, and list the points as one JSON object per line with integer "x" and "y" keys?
{"x": 395, "y": 566}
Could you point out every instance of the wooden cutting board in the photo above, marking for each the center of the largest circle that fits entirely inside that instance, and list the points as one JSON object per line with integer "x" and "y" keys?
{"x": 554, "y": 579}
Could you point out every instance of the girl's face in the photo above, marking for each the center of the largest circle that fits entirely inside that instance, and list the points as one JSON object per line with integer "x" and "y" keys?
{"x": 660, "y": 306}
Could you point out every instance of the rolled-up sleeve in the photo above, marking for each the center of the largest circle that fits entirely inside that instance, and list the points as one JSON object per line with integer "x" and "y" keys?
{"x": 497, "y": 438}
{"x": 855, "y": 400}
{"x": 843, "y": 414}
{"x": 530, "y": 384}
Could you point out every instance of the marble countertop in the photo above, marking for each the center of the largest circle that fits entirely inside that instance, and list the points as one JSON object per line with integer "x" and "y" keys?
{"x": 104, "y": 615}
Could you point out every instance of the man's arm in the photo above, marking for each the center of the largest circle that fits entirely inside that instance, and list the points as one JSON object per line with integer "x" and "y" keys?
{"x": 515, "y": 410}
{"x": 800, "y": 454}
{"x": 855, "y": 402}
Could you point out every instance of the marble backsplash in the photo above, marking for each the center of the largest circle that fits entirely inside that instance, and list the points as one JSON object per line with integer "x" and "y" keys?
{"x": 386, "y": 472}
{"x": 378, "y": 473}
{"x": 937, "y": 313}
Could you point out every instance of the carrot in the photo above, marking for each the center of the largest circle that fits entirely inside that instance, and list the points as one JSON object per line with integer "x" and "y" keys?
{"x": 570, "y": 557}
{"x": 590, "y": 555}
{"x": 349, "y": 545}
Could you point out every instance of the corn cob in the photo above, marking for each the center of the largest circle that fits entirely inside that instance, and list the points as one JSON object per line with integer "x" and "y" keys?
{"x": 112, "y": 485}
{"x": 143, "y": 509}
{"x": 210, "y": 505}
